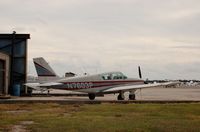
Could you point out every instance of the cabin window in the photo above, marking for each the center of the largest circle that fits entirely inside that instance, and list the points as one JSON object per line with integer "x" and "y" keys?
{"x": 118, "y": 76}
{"x": 124, "y": 77}
{"x": 113, "y": 76}
{"x": 107, "y": 77}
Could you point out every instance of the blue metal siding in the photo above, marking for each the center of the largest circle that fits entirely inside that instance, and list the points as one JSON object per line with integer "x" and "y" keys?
{"x": 18, "y": 59}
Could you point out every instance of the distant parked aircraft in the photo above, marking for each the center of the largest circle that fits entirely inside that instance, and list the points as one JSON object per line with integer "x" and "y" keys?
{"x": 173, "y": 84}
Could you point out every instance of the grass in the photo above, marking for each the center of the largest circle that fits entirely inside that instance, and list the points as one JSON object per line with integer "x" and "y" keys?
{"x": 102, "y": 117}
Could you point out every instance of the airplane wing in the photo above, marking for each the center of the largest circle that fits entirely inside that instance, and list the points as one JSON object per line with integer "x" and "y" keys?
{"x": 133, "y": 87}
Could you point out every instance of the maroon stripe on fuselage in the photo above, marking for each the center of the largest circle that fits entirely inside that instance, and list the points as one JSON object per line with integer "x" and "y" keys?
{"x": 97, "y": 84}
{"x": 47, "y": 75}
{"x": 114, "y": 83}
{"x": 106, "y": 81}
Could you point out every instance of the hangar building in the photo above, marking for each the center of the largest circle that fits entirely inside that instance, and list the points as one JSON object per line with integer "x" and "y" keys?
{"x": 13, "y": 62}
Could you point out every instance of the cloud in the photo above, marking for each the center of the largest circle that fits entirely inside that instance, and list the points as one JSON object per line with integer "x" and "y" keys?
{"x": 187, "y": 47}
{"x": 109, "y": 34}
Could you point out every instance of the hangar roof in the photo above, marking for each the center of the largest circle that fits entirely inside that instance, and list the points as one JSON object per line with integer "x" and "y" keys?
{"x": 17, "y": 36}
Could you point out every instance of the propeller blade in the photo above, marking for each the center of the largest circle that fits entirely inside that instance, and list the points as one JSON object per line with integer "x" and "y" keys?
{"x": 139, "y": 70}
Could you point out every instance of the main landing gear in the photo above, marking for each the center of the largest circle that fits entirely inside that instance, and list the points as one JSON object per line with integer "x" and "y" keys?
{"x": 121, "y": 96}
{"x": 132, "y": 95}
{"x": 91, "y": 96}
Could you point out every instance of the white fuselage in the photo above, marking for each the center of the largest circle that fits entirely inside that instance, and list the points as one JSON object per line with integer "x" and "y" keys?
{"x": 94, "y": 83}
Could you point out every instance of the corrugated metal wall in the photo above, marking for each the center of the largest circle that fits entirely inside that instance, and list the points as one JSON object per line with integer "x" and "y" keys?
{"x": 2, "y": 78}
{"x": 15, "y": 45}
{"x": 4, "y": 71}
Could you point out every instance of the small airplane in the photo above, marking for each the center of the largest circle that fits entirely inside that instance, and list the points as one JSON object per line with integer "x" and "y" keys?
{"x": 98, "y": 84}
{"x": 173, "y": 84}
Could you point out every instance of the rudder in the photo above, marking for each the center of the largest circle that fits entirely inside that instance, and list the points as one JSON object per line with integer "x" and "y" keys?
{"x": 44, "y": 71}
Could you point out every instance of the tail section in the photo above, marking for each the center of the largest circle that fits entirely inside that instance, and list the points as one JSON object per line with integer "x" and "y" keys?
{"x": 44, "y": 71}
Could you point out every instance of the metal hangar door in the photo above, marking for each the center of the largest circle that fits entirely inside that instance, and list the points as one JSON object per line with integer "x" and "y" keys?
{"x": 2, "y": 76}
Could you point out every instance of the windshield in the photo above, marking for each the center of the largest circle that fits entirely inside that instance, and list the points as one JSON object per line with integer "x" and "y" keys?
{"x": 113, "y": 76}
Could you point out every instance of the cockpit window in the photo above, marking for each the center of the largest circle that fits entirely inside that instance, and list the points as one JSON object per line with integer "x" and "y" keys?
{"x": 113, "y": 76}
{"x": 106, "y": 77}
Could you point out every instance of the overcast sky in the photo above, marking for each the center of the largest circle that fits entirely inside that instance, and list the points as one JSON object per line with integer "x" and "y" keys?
{"x": 162, "y": 36}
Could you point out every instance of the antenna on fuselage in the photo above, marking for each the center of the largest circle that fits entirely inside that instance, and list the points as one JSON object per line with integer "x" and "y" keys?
{"x": 139, "y": 71}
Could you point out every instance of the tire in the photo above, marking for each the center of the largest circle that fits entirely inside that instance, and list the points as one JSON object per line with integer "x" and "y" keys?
{"x": 119, "y": 97}
{"x": 91, "y": 96}
{"x": 29, "y": 91}
{"x": 131, "y": 96}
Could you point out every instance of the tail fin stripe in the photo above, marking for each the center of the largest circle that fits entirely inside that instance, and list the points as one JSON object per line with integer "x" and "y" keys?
{"x": 42, "y": 71}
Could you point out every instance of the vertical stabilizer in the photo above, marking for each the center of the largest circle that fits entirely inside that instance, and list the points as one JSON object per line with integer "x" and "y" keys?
{"x": 44, "y": 71}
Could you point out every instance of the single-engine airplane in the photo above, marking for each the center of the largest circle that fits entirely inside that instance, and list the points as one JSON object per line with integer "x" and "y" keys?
{"x": 104, "y": 83}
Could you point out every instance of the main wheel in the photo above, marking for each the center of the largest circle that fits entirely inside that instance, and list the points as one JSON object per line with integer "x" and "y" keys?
{"x": 91, "y": 96}
{"x": 131, "y": 96}
{"x": 29, "y": 91}
{"x": 120, "y": 97}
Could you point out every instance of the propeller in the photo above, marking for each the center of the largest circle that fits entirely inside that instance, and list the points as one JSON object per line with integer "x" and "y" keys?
{"x": 140, "y": 74}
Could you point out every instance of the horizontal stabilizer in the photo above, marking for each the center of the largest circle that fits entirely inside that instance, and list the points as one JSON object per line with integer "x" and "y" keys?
{"x": 43, "y": 84}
